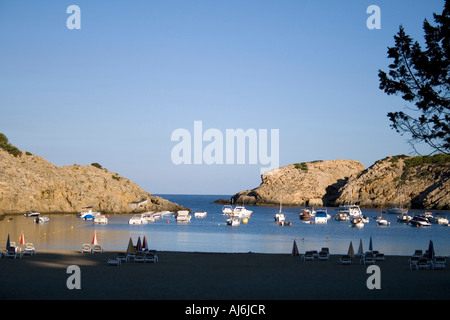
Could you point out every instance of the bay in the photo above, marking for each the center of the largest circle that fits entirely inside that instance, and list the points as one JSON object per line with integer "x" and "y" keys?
{"x": 211, "y": 234}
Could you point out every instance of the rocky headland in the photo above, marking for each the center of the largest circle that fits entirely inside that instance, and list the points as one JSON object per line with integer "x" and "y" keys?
{"x": 29, "y": 183}
{"x": 415, "y": 182}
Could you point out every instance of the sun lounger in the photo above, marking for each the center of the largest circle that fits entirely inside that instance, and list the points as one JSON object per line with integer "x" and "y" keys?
{"x": 413, "y": 262}
{"x": 439, "y": 263}
{"x": 97, "y": 249}
{"x": 308, "y": 256}
{"x": 29, "y": 249}
{"x": 323, "y": 255}
{"x": 10, "y": 253}
{"x": 423, "y": 264}
{"x": 345, "y": 259}
{"x": 151, "y": 257}
{"x": 368, "y": 258}
{"x": 139, "y": 257}
{"x": 122, "y": 256}
{"x": 113, "y": 262}
{"x": 86, "y": 248}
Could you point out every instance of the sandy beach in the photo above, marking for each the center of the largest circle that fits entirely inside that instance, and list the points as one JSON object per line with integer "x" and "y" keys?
{"x": 215, "y": 276}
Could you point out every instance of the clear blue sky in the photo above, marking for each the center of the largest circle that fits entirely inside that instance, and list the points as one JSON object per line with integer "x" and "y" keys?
{"x": 115, "y": 90}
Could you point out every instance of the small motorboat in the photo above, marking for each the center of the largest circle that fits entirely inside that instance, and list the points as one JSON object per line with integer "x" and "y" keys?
{"x": 100, "y": 219}
{"x": 41, "y": 219}
{"x": 357, "y": 222}
{"x": 227, "y": 210}
{"x": 183, "y": 216}
{"x": 31, "y": 214}
{"x": 200, "y": 214}
{"x": 137, "y": 219}
{"x": 88, "y": 215}
{"x": 419, "y": 221}
{"x": 241, "y": 212}
{"x": 321, "y": 216}
{"x": 233, "y": 221}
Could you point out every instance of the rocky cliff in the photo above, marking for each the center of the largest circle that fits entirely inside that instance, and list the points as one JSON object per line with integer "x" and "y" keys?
{"x": 416, "y": 182}
{"x": 30, "y": 183}
{"x": 308, "y": 183}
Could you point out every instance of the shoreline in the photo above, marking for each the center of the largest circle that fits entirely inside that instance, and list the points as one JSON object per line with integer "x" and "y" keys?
{"x": 215, "y": 276}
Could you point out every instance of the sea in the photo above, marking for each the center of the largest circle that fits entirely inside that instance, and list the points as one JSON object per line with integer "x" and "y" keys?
{"x": 261, "y": 234}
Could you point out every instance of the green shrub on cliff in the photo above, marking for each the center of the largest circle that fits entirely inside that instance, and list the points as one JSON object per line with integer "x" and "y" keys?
{"x": 439, "y": 159}
{"x": 5, "y": 145}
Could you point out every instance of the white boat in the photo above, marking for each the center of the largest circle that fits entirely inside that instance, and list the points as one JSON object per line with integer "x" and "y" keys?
{"x": 88, "y": 215}
{"x": 200, "y": 214}
{"x": 233, "y": 221}
{"x": 183, "y": 216}
{"x": 100, "y": 219}
{"x": 227, "y": 210}
{"x": 32, "y": 214}
{"x": 382, "y": 222}
{"x": 41, "y": 219}
{"x": 321, "y": 216}
{"x": 403, "y": 217}
{"x": 396, "y": 210}
{"x": 137, "y": 219}
{"x": 439, "y": 220}
{"x": 342, "y": 215}
{"x": 241, "y": 212}
{"x": 280, "y": 217}
{"x": 352, "y": 209}
{"x": 149, "y": 216}
{"x": 419, "y": 221}
{"x": 357, "y": 222}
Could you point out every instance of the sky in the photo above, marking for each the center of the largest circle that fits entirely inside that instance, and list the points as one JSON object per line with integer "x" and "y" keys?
{"x": 115, "y": 90}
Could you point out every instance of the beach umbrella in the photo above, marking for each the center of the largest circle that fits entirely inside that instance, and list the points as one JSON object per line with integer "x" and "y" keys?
{"x": 370, "y": 244}
{"x": 22, "y": 238}
{"x": 430, "y": 254}
{"x": 8, "y": 244}
{"x": 295, "y": 249}
{"x": 130, "y": 248}
{"x": 94, "y": 239}
{"x": 350, "y": 252}
{"x": 360, "y": 249}
{"x": 139, "y": 245}
{"x": 144, "y": 244}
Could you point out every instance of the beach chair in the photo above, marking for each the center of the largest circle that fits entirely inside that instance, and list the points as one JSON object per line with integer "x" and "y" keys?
{"x": 151, "y": 257}
{"x": 29, "y": 249}
{"x": 10, "y": 253}
{"x": 86, "y": 248}
{"x": 418, "y": 254}
{"x": 97, "y": 249}
{"x": 423, "y": 264}
{"x": 439, "y": 263}
{"x": 323, "y": 255}
{"x": 122, "y": 256}
{"x": 113, "y": 262}
{"x": 379, "y": 257}
{"x": 308, "y": 256}
{"x": 413, "y": 262}
{"x": 139, "y": 257}
{"x": 368, "y": 258}
{"x": 345, "y": 259}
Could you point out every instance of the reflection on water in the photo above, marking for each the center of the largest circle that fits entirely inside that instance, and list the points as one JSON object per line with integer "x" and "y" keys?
{"x": 211, "y": 234}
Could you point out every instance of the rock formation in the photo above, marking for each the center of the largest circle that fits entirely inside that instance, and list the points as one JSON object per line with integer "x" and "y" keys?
{"x": 415, "y": 182}
{"x": 308, "y": 183}
{"x": 30, "y": 183}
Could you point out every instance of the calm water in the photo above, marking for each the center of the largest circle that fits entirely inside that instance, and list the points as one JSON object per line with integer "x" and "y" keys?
{"x": 211, "y": 234}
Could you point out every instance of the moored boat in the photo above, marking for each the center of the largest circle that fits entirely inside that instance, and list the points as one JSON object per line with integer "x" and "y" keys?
{"x": 321, "y": 216}
{"x": 357, "y": 222}
{"x": 227, "y": 210}
{"x": 88, "y": 215}
{"x": 138, "y": 219}
{"x": 100, "y": 219}
{"x": 241, "y": 212}
{"x": 233, "y": 221}
{"x": 419, "y": 221}
{"x": 200, "y": 214}
{"x": 183, "y": 216}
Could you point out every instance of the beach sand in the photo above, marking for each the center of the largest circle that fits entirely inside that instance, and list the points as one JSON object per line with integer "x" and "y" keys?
{"x": 215, "y": 276}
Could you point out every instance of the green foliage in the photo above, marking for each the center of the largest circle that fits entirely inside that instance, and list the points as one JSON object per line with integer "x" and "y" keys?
{"x": 421, "y": 78}
{"x": 97, "y": 165}
{"x": 302, "y": 166}
{"x": 438, "y": 159}
{"x": 5, "y": 145}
